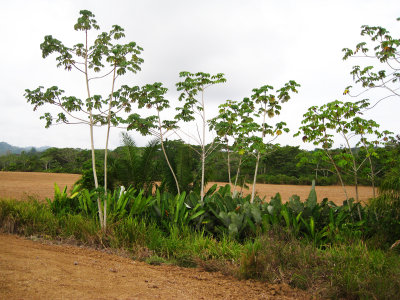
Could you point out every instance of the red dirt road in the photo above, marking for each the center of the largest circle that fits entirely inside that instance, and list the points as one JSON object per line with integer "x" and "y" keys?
{"x": 35, "y": 270}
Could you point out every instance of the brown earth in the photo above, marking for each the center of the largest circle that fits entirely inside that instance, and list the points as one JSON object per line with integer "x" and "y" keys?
{"x": 20, "y": 185}
{"x": 40, "y": 270}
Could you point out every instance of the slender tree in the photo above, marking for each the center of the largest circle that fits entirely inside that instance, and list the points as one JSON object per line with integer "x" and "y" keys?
{"x": 152, "y": 97}
{"x": 193, "y": 88}
{"x": 269, "y": 105}
{"x": 225, "y": 125}
{"x": 105, "y": 57}
{"x": 336, "y": 117}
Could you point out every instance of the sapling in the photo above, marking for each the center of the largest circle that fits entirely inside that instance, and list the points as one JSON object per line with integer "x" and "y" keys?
{"x": 269, "y": 105}
{"x": 193, "y": 88}
{"x": 225, "y": 125}
{"x": 95, "y": 61}
{"x": 152, "y": 97}
{"x": 336, "y": 117}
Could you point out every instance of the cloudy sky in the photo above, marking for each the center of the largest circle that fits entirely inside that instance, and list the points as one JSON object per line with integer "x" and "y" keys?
{"x": 252, "y": 42}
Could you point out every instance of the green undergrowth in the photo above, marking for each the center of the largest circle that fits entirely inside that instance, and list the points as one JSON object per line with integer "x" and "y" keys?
{"x": 350, "y": 270}
{"x": 341, "y": 271}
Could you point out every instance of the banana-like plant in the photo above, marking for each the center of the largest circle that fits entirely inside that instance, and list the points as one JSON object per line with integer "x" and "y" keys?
{"x": 174, "y": 211}
{"x": 62, "y": 203}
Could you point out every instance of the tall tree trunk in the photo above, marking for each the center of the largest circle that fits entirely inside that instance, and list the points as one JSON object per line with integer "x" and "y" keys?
{"x": 338, "y": 174}
{"x": 203, "y": 158}
{"x": 96, "y": 183}
{"x": 203, "y": 150}
{"x": 258, "y": 156}
{"x": 355, "y": 175}
{"x": 237, "y": 176}
{"x": 229, "y": 162}
{"x": 340, "y": 179}
{"x": 372, "y": 176}
{"x": 165, "y": 153}
{"x": 356, "y": 185}
{"x": 253, "y": 191}
{"x": 106, "y": 151}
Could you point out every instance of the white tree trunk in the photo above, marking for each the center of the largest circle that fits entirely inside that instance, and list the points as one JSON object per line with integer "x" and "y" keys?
{"x": 203, "y": 150}
{"x": 165, "y": 154}
{"x": 96, "y": 183}
{"x": 253, "y": 191}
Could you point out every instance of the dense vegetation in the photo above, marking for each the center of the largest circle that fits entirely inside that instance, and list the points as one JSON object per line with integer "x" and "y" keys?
{"x": 284, "y": 165}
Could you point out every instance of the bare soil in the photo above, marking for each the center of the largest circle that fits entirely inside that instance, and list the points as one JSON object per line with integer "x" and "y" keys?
{"x": 40, "y": 270}
{"x": 20, "y": 185}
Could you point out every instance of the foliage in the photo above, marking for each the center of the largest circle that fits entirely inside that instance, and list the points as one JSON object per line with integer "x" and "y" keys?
{"x": 62, "y": 203}
{"x": 152, "y": 96}
{"x": 176, "y": 211}
{"x": 321, "y": 124}
{"x": 264, "y": 104}
{"x": 136, "y": 167}
{"x": 384, "y": 49}
{"x": 192, "y": 89}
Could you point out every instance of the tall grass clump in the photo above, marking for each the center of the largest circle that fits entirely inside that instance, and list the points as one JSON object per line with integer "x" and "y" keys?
{"x": 357, "y": 272}
{"x": 341, "y": 271}
{"x": 35, "y": 218}
{"x": 278, "y": 257}
{"x": 27, "y": 218}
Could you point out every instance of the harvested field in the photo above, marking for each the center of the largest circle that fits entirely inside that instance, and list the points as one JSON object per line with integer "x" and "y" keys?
{"x": 33, "y": 270}
{"x": 20, "y": 185}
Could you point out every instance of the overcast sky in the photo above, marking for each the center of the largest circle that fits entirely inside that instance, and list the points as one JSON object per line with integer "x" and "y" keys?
{"x": 252, "y": 42}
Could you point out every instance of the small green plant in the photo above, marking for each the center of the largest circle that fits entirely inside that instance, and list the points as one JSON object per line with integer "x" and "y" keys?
{"x": 62, "y": 204}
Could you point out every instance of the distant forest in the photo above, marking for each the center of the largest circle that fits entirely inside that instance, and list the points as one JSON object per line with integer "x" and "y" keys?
{"x": 131, "y": 165}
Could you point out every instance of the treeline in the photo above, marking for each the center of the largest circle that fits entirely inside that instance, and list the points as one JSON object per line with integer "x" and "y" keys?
{"x": 138, "y": 166}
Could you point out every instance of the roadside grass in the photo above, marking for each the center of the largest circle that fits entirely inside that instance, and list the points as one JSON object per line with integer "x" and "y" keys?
{"x": 349, "y": 270}
{"x": 358, "y": 272}
{"x": 341, "y": 271}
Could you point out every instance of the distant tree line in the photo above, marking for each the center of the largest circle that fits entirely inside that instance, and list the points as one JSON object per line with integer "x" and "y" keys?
{"x": 144, "y": 166}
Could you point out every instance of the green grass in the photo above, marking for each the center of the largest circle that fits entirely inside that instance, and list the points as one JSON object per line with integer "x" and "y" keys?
{"x": 349, "y": 270}
{"x": 361, "y": 273}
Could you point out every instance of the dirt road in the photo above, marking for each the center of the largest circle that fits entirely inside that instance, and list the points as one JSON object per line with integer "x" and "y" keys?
{"x": 37, "y": 270}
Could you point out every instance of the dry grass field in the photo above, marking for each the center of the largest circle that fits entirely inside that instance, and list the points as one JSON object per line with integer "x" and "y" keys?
{"x": 21, "y": 185}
